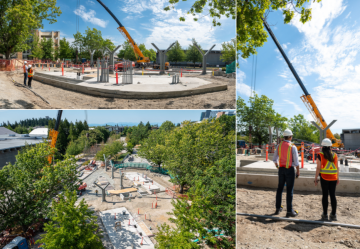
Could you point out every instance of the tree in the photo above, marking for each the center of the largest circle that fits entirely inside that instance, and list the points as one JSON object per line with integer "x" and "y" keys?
{"x": 48, "y": 48}
{"x": 228, "y": 51}
{"x": 258, "y": 116}
{"x": 71, "y": 226}
{"x": 193, "y": 54}
{"x": 211, "y": 212}
{"x": 153, "y": 148}
{"x": 129, "y": 147}
{"x": 36, "y": 49}
{"x": 337, "y": 136}
{"x": 151, "y": 53}
{"x": 250, "y": 28}
{"x": 65, "y": 50}
{"x": 110, "y": 150}
{"x": 28, "y": 186}
{"x": 196, "y": 146}
{"x": 92, "y": 40}
{"x": 176, "y": 53}
{"x": 106, "y": 44}
{"x": 303, "y": 129}
{"x": 216, "y": 9}
{"x": 20, "y": 18}
{"x": 127, "y": 52}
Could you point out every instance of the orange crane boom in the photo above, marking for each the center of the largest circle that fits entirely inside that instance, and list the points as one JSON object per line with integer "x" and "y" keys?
{"x": 306, "y": 98}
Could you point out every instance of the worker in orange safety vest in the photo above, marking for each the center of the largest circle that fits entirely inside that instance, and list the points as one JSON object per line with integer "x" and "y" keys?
{"x": 327, "y": 167}
{"x": 25, "y": 69}
{"x": 287, "y": 155}
{"x": 31, "y": 73}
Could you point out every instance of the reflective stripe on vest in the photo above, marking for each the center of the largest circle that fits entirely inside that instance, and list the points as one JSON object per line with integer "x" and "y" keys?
{"x": 330, "y": 167}
{"x": 30, "y": 73}
{"x": 289, "y": 155}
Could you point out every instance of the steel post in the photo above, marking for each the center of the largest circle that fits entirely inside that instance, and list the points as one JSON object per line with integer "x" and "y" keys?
{"x": 102, "y": 191}
{"x": 323, "y": 131}
{"x": 204, "y": 56}
{"x": 112, "y": 53}
{"x": 98, "y": 68}
{"x": 91, "y": 57}
{"x": 162, "y": 54}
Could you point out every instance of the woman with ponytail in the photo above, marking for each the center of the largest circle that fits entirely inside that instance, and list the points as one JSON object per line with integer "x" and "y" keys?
{"x": 327, "y": 167}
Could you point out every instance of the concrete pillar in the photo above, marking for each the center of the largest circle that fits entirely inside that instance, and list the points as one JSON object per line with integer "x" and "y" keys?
{"x": 204, "y": 56}
{"x": 323, "y": 131}
{"x": 112, "y": 170}
{"x": 121, "y": 180}
{"x": 162, "y": 54}
{"x": 102, "y": 191}
{"x": 111, "y": 63}
{"x": 91, "y": 57}
{"x": 270, "y": 135}
{"x": 98, "y": 68}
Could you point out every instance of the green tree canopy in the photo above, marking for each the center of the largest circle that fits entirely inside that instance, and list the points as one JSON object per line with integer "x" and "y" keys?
{"x": 228, "y": 51}
{"x": 258, "y": 116}
{"x": 126, "y": 52}
{"x": 176, "y": 53}
{"x": 250, "y": 28}
{"x": 71, "y": 225}
{"x": 65, "y": 50}
{"x": 303, "y": 129}
{"x": 193, "y": 54}
{"x": 20, "y": 18}
{"x": 36, "y": 49}
{"x": 28, "y": 186}
{"x": 153, "y": 148}
{"x": 216, "y": 9}
{"x": 47, "y": 46}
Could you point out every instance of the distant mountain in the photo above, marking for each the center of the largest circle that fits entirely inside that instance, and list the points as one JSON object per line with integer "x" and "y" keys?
{"x": 122, "y": 124}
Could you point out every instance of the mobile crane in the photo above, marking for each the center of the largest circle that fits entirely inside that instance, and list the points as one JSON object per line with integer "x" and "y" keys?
{"x": 306, "y": 98}
{"x": 53, "y": 134}
{"x": 141, "y": 61}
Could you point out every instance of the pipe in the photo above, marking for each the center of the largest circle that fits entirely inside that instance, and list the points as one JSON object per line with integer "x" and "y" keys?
{"x": 327, "y": 223}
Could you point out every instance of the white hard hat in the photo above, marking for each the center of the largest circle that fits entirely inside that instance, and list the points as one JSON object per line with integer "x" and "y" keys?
{"x": 287, "y": 133}
{"x": 29, "y": 65}
{"x": 326, "y": 142}
{"x": 25, "y": 62}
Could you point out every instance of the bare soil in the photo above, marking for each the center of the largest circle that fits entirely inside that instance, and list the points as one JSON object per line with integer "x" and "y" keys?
{"x": 264, "y": 233}
{"x": 16, "y": 96}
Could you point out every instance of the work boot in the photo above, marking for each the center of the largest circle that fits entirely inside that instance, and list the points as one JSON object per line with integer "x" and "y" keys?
{"x": 293, "y": 213}
{"x": 278, "y": 210}
{"x": 333, "y": 217}
{"x": 324, "y": 217}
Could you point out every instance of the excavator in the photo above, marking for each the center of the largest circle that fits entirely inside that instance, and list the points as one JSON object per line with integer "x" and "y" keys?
{"x": 306, "y": 98}
{"x": 141, "y": 61}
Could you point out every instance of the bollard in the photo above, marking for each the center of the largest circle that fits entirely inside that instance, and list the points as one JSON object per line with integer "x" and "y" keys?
{"x": 155, "y": 204}
{"x": 302, "y": 155}
{"x": 62, "y": 69}
{"x": 143, "y": 71}
{"x": 267, "y": 152}
{"x": 181, "y": 72}
{"x": 138, "y": 211}
{"x": 43, "y": 66}
{"x": 313, "y": 154}
{"x": 83, "y": 69}
{"x": 49, "y": 68}
{"x": 117, "y": 77}
{"x": 152, "y": 205}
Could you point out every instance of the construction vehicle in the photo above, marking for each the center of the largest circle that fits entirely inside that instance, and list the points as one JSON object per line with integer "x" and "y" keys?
{"x": 157, "y": 66}
{"x": 17, "y": 243}
{"x": 306, "y": 98}
{"x": 141, "y": 60}
{"x": 53, "y": 134}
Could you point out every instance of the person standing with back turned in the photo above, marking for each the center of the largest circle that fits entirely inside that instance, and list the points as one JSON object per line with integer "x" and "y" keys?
{"x": 25, "y": 68}
{"x": 327, "y": 166}
{"x": 287, "y": 154}
{"x": 31, "y": 73}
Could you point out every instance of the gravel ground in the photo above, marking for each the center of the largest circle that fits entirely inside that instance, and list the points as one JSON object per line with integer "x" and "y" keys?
{"x": 18, "y": 97}
{"x": 261, "y": 233}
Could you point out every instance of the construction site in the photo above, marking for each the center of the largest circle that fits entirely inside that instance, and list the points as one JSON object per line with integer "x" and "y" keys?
{"x": 259, "y": 226}
{"x": 110, "y": 84}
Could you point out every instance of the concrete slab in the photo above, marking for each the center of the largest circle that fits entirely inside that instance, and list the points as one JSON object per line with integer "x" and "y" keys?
{"x": 128, "y": 236}
{"x": 148, "y": 87}
{"x": 145, "y": 182}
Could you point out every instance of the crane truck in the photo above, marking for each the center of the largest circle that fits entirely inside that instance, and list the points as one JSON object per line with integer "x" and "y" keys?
{"x": 141, "y": 60}
{"x": 306, "y": 98}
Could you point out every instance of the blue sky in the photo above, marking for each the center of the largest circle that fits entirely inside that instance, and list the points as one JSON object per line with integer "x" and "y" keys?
{"x": 145, "y": 20}
{"x": 324, "y": 52}
{"x": 106, "y": 116}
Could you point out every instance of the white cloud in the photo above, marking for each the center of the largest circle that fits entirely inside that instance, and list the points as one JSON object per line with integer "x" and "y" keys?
{"x": 90, "y": 16}
{"x": 347, "y": 16}
{"x": 296, "y": 106}
{"x": 330, "y": 52}
{"x": 165, "y": 26}
{"x": 284, "y": 46}
{"x": 241, "y": 87}
{"x": 288, "y": 87}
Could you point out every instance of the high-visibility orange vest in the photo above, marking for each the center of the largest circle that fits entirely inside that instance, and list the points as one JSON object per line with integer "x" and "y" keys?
{"x": 328, "y": 169}
{"x": 24, "y": 68}
{"x": 30, "y": 73}
{"x": 285, "y": 154}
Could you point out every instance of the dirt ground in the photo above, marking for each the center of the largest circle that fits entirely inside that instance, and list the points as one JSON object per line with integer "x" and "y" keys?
{"x": 15, "y": 96}
{"x": 262, "y": 233}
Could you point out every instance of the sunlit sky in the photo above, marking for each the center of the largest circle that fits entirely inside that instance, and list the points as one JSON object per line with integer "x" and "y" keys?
{"x": 324, "y": 52}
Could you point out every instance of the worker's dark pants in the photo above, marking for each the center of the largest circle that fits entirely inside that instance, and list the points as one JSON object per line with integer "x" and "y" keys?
{"x": 286, "y": 176}
{"x": 29, "y": 82}
{"x": 328, "y": 187}
{"x": 25, "y": 78}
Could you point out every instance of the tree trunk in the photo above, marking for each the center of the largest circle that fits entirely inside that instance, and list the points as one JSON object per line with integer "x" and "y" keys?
{"x": 7, "y": 54}
{"x": 181, "y": 191}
